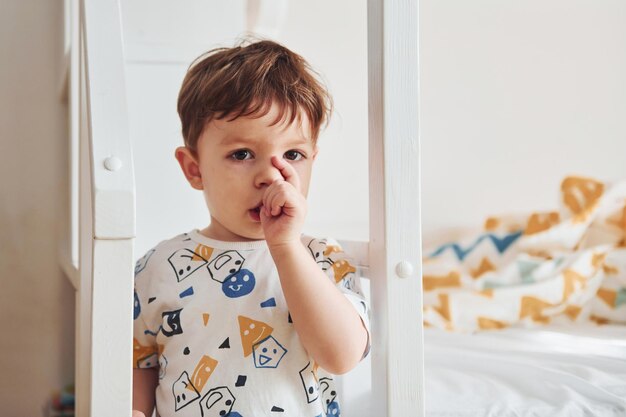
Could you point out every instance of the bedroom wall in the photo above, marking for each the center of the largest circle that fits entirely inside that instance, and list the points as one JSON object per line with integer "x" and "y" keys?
{"x": 36, "y": 300}
{"x": 515, "y": 95}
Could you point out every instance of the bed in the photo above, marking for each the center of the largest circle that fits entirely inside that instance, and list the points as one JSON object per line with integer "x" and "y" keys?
{"x": 411, "y": 371}
{"x": 559, "y": 370}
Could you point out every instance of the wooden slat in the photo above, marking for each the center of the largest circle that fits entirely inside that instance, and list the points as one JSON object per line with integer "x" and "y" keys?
{"x": 395, "y": 234}
{"x": 111, "y": 321}
{"x": 107, "y": 219}
{"x": 113, "y": 194}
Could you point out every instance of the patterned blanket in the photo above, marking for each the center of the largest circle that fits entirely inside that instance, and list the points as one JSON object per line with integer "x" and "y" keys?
{"x": 546, "y": 267}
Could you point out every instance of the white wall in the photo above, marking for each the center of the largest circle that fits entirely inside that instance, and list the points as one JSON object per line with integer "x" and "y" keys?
{"x": 36, "y": 301}
{"x": 515, "y": 95}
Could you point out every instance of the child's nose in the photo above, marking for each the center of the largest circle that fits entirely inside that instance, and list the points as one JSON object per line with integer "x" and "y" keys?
{"x": 267, "y": 174}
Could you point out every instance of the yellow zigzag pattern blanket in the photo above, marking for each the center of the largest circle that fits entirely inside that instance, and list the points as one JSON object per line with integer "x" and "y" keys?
{"x": 567, "y": 265}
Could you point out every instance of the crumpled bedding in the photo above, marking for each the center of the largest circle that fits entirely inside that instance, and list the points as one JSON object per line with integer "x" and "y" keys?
{"x": 556, "y": 371}
{"x": 566, "y": 265}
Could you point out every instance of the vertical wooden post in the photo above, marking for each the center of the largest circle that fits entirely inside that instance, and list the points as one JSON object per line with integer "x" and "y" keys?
{"x": 395, "y": 230}
{"x": 107, "y": 219}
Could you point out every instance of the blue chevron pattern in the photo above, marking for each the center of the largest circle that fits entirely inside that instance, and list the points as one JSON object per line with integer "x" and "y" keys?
{"x": 501, "y": 244}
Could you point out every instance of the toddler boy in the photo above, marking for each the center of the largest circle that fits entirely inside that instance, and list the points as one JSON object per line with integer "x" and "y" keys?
{"x": 248, "y": 316}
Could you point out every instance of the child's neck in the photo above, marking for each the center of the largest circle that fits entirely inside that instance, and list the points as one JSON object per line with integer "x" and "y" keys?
{"x": 225, "y": 235}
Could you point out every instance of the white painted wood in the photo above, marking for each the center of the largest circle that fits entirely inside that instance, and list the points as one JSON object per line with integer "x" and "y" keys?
{"x": 114, "y": 203}
{"x": 112, "y": 332}
{"x": 107, "y": 219}
{"x": 397, "y": 350}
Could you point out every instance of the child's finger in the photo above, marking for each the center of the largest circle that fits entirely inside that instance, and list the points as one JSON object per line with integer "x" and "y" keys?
{"x": 276, "y": 207}
{"x": 287, "y": 171}
{"x": 267, "y": 197}
{"x": 271, "y": 191}
{"x": 272, "y": 199}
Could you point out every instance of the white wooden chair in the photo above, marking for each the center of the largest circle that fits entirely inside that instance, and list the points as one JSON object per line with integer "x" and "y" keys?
{"x": 105, "y": 218}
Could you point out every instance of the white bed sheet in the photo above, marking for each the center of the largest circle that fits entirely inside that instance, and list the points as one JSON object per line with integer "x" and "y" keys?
{"x": 559, "y": 371}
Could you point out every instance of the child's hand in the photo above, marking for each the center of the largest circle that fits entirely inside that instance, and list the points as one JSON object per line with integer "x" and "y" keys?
{"x": 284, "y": 207}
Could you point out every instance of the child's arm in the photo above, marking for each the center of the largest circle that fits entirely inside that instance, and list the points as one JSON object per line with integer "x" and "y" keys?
{"x": 145, "y": 382}
{"x": 328, "y": 325}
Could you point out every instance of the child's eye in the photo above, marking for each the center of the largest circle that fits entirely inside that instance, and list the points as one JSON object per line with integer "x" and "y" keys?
{"x": 294, "y": 155}
{"x": 241, "y": 155}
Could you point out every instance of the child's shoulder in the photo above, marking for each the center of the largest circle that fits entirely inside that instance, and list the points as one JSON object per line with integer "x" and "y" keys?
{"x": 164, "y": 249}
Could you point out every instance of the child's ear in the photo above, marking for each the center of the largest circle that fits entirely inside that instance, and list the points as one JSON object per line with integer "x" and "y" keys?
{"x": 315, "y": 150}
{"x": 189, "y": 164}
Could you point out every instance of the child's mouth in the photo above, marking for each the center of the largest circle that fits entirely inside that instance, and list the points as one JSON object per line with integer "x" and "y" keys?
{"x": 255, "y": 213}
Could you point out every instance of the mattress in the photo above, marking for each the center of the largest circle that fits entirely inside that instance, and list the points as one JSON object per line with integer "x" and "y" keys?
{"x": 566, "y": 371}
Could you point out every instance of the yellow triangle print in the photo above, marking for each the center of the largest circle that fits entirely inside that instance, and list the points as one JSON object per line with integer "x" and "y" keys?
{"x": 485, "y": 323}
{"x": 618, "y": 219}
{"x": 330, "y": 249}
{"x": 608, "y": 296}
{"x": 539, "y": 222}
{"x": 598, "y": 259}
{"x": 140, "y": 351}
{"x": 610, "y": 270}
{"x": 572, "y": 311}
{"x": 341, "y": 269}
{"x": 487, "y": 292}
{"x": 570, "y": 280}
{"x": 431, "y": 282}
{"x": 491, "y": 224}
{"x": 580, "y": 196}
{"x": 252, "y": 332}
{"x": 599, "y": 320}
{"x": 533, "y": 307}
{"x": 444, "y": 308}
{"x": 485, "y": 266}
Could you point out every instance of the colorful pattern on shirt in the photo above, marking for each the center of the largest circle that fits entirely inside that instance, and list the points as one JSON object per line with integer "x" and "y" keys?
{"x": 212, "y": 317}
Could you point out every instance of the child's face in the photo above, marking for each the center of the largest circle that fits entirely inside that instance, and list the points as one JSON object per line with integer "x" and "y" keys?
{"x": 233, "y": 168}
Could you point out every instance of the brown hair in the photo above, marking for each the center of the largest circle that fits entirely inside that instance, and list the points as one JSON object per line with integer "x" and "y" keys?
{"x": 244, "y": 81}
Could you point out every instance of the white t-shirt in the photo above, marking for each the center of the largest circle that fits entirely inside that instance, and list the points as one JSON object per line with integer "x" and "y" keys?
{"x": 212, "y": 317}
